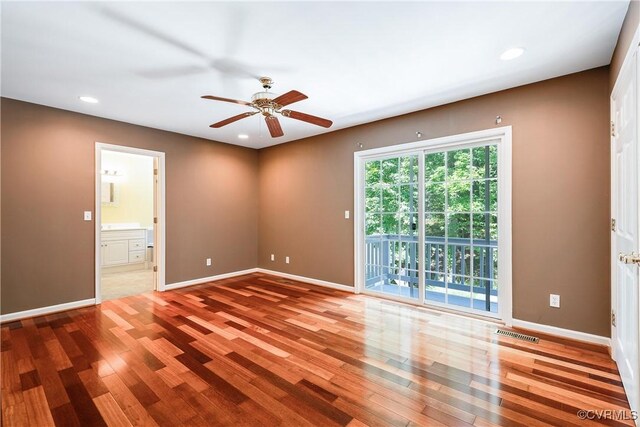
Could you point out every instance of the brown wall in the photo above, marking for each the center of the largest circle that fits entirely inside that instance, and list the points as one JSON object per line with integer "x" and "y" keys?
{"x": 48, "y": 181}
{"x": 560, "y": 194}
{"x": 628, "y": 30}
{"x": 301, "y": 189}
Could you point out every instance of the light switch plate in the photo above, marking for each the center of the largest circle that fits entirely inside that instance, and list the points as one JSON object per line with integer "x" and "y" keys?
{"x": 286, "y": 260}
{"x": 273, "y": 257}
{"x": 87, "y": 215}
{"x": 208, "y": 262}
{"x": 346, "y": 214}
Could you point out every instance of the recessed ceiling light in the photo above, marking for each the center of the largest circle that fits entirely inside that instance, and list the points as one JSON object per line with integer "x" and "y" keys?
{"x": 89, "y": 99}
{"x": 243, "y": 136}
{"x": 512, "y": 53}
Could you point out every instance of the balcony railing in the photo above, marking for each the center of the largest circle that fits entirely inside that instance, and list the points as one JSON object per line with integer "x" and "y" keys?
{"x": 395, "y": 257}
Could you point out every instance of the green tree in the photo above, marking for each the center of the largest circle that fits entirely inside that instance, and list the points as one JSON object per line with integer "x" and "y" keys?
{"x": 461, "y": 200}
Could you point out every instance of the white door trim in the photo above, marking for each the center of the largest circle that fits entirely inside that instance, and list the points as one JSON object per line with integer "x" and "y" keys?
{"x": 635, "y": 43}
{"x": 503, "y": 136}
{"x": 159, "y": 250}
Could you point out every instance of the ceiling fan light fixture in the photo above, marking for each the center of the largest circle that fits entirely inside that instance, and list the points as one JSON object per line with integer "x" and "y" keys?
{"x": 263, "y": 95}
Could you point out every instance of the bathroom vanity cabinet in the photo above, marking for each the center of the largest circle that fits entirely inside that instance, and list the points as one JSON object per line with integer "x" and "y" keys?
{"x": 122, "y": 247}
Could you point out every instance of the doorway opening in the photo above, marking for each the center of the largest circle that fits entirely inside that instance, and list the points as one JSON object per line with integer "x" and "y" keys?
{"x": 129, "y": 221}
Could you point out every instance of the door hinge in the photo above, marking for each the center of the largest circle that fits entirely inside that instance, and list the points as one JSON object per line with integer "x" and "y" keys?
{"x": 613, "y": 318}
{"x": 155, "y": 219}
{"x": 155, "y": 268}
{"x": 613, "y": 224}
{"x": 613, "y": 128}
{"x": 155, "y": 171}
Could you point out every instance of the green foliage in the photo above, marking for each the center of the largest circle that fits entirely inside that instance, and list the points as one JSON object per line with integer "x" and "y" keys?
{"x": 391, "y": 196}
{"x": 461, "y": 201}
{"x": 460, "y": 186}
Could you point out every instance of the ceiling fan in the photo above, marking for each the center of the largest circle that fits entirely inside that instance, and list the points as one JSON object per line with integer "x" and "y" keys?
{"x": 268, "y": 104}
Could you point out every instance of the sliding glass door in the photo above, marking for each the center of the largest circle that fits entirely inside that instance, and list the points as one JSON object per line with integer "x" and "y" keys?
{"x": 431, "y": 223}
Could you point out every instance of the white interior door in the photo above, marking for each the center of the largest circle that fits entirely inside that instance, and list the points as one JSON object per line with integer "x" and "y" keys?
{"x": 156, "y": 234}
{"x": 625, "y": 230}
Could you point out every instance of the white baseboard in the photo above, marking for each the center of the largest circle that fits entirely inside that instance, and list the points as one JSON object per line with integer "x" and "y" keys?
{"x": 318, "y": 282}
{"x": 202, "y": 280}
{"x": 564, "y": 333}
{"x": 46, "y": 310}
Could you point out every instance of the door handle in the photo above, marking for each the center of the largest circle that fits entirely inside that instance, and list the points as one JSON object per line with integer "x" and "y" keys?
{"x": 633, "y": 258}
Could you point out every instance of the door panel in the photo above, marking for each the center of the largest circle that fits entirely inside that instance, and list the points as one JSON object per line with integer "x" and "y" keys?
{"x": 156, "y": 214}
{"x": 461, "y": 228}
{"x": 116, "y": 252}
{"x": 625, "y": 236}
{"x": 391, "y": 224}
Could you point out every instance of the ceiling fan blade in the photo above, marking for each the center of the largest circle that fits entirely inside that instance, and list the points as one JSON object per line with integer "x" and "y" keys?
{"x": 318, "y": 121}
{"x": 232, "y": 119}
{"x": 274, "y": 126}
{"x": 139, "y": 26}
{"x": 290, "y": 97}
{"x": 234, "y": 101}
{"x": 231, "y": 67}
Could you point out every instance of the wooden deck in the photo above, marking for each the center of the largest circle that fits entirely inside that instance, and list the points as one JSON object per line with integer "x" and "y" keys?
{"x": 260, "y": 350}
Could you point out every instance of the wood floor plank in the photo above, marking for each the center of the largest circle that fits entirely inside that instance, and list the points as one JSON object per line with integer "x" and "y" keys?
{"x": 110, "y": 411}
{"x": 38, "y": 412}
{"x": 14, "y": 414}
{"x": 132, "y": 408}
{"x": 262, "y": 350}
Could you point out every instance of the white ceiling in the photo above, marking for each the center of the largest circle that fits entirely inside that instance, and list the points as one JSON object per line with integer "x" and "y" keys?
{"x": 149, "y": 63}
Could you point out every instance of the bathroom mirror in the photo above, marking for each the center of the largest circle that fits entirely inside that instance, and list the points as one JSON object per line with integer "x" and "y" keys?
{"x": 109, "y": 194}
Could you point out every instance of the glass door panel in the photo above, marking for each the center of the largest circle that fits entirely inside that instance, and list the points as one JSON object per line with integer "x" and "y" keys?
{"x": 391, "y": 226}
{"x": 461, "y": 226}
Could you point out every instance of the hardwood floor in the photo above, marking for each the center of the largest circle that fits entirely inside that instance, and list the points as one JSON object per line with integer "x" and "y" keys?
{"x": 260, "y": 350}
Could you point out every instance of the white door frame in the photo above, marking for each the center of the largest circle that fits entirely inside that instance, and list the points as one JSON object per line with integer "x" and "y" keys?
{"x": 159, "y": 248}
{"x": 500, "y": 134}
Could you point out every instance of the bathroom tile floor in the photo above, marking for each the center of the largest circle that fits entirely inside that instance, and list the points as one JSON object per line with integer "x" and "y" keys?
{"x": 122, "y": 284}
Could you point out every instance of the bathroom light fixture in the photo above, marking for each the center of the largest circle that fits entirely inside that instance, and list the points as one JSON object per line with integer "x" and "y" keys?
{"x": 243, "y": 136}
{"x": 512, "y": 53}
{"x": 89, "y": 99}
{"x": 110, "y": 172}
